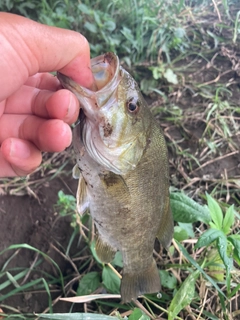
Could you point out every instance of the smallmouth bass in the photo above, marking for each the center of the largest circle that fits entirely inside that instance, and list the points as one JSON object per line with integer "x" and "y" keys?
{"x": 123, "y": 173}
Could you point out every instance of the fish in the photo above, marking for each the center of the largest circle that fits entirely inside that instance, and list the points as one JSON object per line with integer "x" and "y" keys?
{"x": 123, "y": 171}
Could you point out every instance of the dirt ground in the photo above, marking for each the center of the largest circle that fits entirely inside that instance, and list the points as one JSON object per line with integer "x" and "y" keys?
{"x": 25, "y": 219}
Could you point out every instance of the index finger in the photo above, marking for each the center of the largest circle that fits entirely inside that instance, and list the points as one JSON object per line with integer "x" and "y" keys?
{"x": 43, "y": 81}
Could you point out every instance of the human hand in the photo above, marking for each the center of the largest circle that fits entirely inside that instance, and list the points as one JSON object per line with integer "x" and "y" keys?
{"x": 34, "y": 114}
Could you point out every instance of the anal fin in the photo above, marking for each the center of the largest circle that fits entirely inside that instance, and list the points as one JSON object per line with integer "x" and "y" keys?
{"x": 165, "y": 232}
{"x": 105, "y": 252}
{"x": 135, "y": 284}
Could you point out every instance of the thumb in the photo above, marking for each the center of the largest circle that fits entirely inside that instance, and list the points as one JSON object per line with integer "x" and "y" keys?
{"x": 28, "y": 47}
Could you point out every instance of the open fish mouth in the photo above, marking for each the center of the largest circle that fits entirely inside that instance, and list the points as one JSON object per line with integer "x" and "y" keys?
{"x": 105, "y": 69}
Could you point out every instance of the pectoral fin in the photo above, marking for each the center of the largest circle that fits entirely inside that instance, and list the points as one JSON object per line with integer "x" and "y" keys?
{"x": 165, "y": 232}
{"x": 105, "y": 252}
{"x": 76, "y": 172}
{"x": 82, "y": 196}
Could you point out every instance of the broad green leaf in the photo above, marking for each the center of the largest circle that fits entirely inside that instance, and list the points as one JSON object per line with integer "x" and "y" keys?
{"x": 138, "y": 314}
{"x": 110, "y": 280}
{"x": 235, "y": 240}
{"x": 110, "y": 25}
{"x": 199, "y": 268}
{"x": 83, "y": 8}
{"x": 90, "y": 27}
{"x": 183, "y": 296}
{"x": 215, "y": 265}
{"x": 215, "y": 211}
{"x": 208, "y": 237}
{"x": 188, "y": 227}
{"x": 186, "y": 210}
{"x": 167, "y": 279}
{"x": 228, "y": 219}
{"x": 76, "y": 316}
{"x": 170, "y": 76}
{"x": 222, "y": 246}
{"x": 117, "y": 261}
{"x": 89, "y": 283}
{"x": 180, "y": 234}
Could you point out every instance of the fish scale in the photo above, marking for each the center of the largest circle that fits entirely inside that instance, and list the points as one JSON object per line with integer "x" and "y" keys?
{"x": 124, "y": 176}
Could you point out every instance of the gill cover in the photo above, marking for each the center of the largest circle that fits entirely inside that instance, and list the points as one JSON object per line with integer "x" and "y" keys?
{"x": 109, "y": 133}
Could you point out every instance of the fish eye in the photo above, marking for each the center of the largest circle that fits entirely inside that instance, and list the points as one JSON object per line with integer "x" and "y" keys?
{"x": 133, "y": 105}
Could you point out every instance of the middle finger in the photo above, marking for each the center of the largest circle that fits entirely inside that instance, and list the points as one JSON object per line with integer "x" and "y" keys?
{"x": 61, "y": 104}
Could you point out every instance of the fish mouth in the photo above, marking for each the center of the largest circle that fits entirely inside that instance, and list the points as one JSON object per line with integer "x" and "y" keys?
{"x": 105, "y": 70}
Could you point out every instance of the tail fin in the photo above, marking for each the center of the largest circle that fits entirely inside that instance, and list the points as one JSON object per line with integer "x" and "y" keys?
{"x": 135, "y": 284}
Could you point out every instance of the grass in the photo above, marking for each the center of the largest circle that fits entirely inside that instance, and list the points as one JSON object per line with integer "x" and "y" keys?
{"x": 185, "y": 56}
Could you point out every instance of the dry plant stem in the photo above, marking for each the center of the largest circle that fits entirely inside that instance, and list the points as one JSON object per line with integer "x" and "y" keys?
{"x": 214, "y": 80}
{"x": 124, "y": 314}
{"x": 72, "y": 281}
{"x": 216, "y": 8}
{"x": 30, "y": 269}
{"x": 140, "y": 306}
{"x": 214, "y": 160}
{"x": 66, "y": 258}
{"x": 160, "y": 308}
{"x": 81, "y": 227}
{"x": 53, "y": 303}
{"x": 114, "y": 270}
{"x": 203, "y": 305}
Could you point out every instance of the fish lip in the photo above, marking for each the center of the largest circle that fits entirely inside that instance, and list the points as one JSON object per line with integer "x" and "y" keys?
{"x": 102, "y": 94}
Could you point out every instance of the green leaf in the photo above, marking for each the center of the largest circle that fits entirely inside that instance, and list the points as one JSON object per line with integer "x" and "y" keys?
{"x": 167, "y": 279}
{"x": 138, "y": 314}
{"x": 199, "y": 268}
{"x": 180, "y": 234}
{"x": 89, "y": 283}
{"x": 215, "y": 265}
{"x": 170, "y": 76}
{"x": 186, "y": 210}
{"x": 117, "y": 261}
{"x": 83, "y": 8}
{"x": 235, "y": 240}
{"x": 208, "y": 237}
{"x": 183, "y": 296}
{"x": 228, "y": 219}
{"x": 215, "y": 211}
{"x": 110, "y": 25}
{"x": 188, "y": 227}
{"x": 110, "y": 280}
{"x": 222, "y": 246}
{"x": 90, "y": 27}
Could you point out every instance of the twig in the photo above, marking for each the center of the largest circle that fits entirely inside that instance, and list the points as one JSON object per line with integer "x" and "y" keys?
{"x": 140, "y": 306}
{"x": 114, "y": 270}
{"x": 216, "y": 159}
{"x": 218, "y": 13}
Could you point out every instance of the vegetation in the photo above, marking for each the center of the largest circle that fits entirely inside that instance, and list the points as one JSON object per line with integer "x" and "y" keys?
{"x": 185, "y": 56}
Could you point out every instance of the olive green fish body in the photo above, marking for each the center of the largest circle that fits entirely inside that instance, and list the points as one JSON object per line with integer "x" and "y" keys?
{"x": 122, "y": 158}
